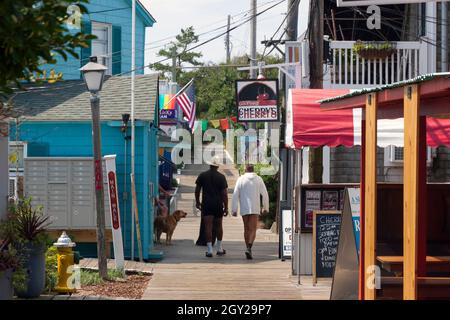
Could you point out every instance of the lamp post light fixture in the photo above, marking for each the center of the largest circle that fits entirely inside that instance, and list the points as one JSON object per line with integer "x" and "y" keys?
{"x": 93, "y": 75}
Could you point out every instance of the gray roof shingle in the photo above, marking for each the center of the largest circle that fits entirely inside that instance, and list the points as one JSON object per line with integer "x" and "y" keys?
{"x": 69, "y": 100}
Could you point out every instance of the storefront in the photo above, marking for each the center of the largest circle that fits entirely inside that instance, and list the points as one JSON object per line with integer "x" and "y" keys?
{"x": 308, "y": 125}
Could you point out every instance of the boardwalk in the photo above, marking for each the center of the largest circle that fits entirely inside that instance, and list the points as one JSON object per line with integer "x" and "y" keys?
{"x": 185, "y": 272}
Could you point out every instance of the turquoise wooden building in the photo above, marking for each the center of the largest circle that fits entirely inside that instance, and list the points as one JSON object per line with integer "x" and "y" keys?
{"x": 55, "y": 121}
{"x": 110, "y": 21}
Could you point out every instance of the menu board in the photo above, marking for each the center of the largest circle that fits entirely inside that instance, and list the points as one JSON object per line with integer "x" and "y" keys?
{"x": 320, "y": 197}
{"x": 312, "y": 202}
{"x": 326, "y": 228}
{"x": 330, "y": 200}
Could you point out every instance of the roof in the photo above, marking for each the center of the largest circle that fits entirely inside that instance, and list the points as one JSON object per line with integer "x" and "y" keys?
{"x": 144, "y": 13}
{"x": 434, "y": 91}
{"x": 70, "y": 101}
{"x": 419, "y": 79}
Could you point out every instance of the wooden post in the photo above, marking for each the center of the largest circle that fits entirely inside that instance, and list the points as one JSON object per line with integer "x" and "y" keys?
{"x": 410, "y": 191}
{"x": 362, "y": 187}
{"x": 370, "y": 198}
{"x": 422, "y": 219}
{"x": 136, "y": 217}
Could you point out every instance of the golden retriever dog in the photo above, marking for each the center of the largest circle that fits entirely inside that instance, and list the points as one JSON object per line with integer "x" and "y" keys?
{"x": 167, "y": 225}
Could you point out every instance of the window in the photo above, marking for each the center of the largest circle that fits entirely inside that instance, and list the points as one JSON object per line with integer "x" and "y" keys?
{"x": 17, "y": 151}
{"x": 102, "y": 46}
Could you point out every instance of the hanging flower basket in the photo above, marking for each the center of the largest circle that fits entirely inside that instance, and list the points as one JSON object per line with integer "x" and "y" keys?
{"x": 373, "y": 50}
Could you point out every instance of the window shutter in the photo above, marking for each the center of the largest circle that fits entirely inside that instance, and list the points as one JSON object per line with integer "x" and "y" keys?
{"x": 86, "y": 28}
{"x": 116, "y": 49}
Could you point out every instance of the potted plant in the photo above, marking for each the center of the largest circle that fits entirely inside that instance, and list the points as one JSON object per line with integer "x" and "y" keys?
{"x": 8, "y": 262}
{"x": 373, "y": 50}
{"x": 30, "y": 225}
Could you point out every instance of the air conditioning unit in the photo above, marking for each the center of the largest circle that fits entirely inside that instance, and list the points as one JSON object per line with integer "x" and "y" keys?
{"x": 13, "y": 188}
{"x": 396, "y": 155}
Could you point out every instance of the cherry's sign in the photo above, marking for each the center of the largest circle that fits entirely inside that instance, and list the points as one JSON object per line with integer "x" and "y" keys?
{"x": 257, "y": 100}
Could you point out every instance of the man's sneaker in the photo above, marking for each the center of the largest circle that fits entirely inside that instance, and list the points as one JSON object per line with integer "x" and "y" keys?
{"x": 248, "y": 254}
{"x": 221, "y": 253}
{"x": 209, "y": 255}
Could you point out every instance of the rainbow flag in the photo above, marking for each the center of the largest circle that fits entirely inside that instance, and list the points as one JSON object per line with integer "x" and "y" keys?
{"x": 164, "y": 99}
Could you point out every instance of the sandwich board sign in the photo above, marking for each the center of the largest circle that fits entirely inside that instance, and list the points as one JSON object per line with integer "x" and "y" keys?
{"x": 326, "y": 230}
{"x": 286, "y": 224}
{"x": 110, "y": 162}
{"x": 346, "y": 270}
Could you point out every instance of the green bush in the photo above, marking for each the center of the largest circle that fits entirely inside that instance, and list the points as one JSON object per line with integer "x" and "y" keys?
{"x": 51, "y": 268}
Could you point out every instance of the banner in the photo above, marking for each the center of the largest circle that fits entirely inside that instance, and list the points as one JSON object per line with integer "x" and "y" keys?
{"x": 164, "y": 102}
{"x": 215, "y": 123}
{"x": 257, "y": 100}
{"x": 168, "y": 114}
{"x": 110, "y": 162}
{"x": 224, "y": 125}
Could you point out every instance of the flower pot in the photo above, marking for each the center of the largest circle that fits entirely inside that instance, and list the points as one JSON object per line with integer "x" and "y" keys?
{"x": 34, "y": 265}
{"x": 373, "y": 54}
{"x": 6, "y": 285}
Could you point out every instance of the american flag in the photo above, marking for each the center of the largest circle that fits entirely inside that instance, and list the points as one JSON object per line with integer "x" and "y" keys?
{"x": 186, "y": 101}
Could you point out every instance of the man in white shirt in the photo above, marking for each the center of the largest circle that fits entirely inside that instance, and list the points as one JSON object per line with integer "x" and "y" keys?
{"x": 247, "y": 195}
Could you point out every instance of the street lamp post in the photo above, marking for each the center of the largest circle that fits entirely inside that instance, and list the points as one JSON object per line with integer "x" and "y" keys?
{"x": 93, "y": 74}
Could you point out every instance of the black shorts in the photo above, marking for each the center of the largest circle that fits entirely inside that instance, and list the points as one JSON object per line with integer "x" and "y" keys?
{"x": 214, "y": 213}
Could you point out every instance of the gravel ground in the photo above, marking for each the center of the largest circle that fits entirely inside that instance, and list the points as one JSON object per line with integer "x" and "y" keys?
{"x": 132, "y": 287}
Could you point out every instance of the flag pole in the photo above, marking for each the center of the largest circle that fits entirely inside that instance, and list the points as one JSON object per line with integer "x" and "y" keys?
{"x": 133, "y": 136}
{"x": 178, "y": 93}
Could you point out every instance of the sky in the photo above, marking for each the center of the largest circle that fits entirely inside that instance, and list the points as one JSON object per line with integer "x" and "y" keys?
{"x": 207, "y": 15}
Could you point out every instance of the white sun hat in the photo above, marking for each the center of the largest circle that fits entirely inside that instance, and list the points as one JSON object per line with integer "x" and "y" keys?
{"x": 214, "y": 161}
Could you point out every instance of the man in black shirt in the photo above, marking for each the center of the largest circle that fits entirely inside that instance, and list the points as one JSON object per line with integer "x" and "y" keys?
{"x": 214, "y": 204}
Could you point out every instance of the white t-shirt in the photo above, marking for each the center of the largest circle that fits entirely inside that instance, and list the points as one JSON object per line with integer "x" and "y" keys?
{"x": 247, "y": 192}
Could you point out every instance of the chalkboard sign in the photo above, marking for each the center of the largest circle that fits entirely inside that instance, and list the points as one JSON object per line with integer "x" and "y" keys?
{"x": 326, "y": 228}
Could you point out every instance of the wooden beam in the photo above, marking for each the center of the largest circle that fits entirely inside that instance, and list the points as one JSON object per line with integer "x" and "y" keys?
{"x": 422, "y": 219}
{"x": 370, "y": 198}
{"x": 362, "y": 202}
{"x": 411, "y": 182}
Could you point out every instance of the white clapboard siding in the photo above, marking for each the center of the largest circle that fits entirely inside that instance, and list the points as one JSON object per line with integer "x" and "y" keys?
{"x": 65, "y": 189}
{"x": 349, "y": 71}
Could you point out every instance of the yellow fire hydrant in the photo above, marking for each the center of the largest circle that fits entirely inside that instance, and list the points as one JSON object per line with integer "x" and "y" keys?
{"x": 66, "y": 265}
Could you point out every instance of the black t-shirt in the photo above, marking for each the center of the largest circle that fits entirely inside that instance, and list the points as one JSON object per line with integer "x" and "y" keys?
{"x": 212, "y": 184}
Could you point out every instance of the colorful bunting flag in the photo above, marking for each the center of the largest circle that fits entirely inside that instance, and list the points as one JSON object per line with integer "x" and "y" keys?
{"x": 215, "y": 123}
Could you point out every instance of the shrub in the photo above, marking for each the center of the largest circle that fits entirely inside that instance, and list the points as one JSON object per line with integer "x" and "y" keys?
{"x": 51, "y": 268}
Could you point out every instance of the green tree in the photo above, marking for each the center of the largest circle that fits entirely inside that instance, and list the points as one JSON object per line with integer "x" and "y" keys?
{"x": 178, "y": 53}
{"x": 31, "y": 32}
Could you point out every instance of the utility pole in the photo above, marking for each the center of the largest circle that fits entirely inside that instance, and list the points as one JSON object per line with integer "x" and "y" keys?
{"x": 316, "y": 79}
{"x": 444, "y": 35}
{"x": 289, "y": 160}
{"x": 292, "y": 20}
{"x": 227, "y": 40}
{"x": 253, "y": 62}
{"x": 174, "y": 67}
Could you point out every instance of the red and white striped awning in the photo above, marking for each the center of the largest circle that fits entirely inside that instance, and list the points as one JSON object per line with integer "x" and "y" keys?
{"x": 307, "y": 125}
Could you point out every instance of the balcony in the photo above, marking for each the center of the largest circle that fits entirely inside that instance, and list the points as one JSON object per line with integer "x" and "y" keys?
{"x": 349, "y": 71}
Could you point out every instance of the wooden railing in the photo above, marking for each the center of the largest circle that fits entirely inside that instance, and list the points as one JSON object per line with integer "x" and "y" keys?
{"x": 349, "y": 70}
